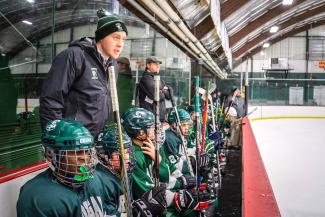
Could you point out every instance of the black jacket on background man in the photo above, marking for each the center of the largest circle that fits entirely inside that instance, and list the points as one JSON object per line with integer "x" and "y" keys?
{"x": 76, "y": 87}
{"x": 146, "y": 94}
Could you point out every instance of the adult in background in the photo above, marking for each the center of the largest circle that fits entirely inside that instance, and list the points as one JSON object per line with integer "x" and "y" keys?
{"x": 76, "y": 85}
{"x": 237, "y": 105}
{"x": 147, "y": 88}
{"x": 236, "y": 101}
{"x": 216, "y": 99}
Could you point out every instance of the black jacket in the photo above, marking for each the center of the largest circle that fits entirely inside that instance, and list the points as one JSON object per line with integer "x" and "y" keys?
{"x": 146, "y": 94}
{"x": 76, "y": 87}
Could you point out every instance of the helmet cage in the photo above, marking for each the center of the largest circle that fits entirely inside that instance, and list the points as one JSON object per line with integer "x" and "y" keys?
{"x": 189, "y": 123}
{"x": 161, "y": 134}
{"x": 71, "y": 167}
{"x": 105, "y": 159}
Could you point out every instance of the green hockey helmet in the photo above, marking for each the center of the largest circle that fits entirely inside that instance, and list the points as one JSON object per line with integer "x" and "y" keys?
{"x": 67, "y": 135}
{"x": 182, "y": 113}
{"x": 137, "y": 119}
{"x": 107, "y": 139}
{"x": 107, "y": 145}
{"x": 69, "y": 151}
{"x": 190, "y": 109}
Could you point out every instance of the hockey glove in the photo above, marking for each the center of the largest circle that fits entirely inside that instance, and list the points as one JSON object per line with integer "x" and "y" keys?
{"x": 216, "y": 137}
{"x": 152, "y": 203}
{"x": 187, "y": 182}
{"x": 204, "y": 160}
{"x": 192, "y": 199}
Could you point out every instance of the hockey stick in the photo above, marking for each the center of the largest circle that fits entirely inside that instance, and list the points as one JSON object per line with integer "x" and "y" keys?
{"x": 208, "y": 97}
{"x": 198, "y": 136}
{"x": 205, "y": 117}
{"x": 208, "y": 93}
{"x": 157, "y": 127}
{"x": 198, "y": 132}
{"x": 217, "y": 151}
{"x": 250, "y": 112}
{"x": 135, "y": 100}
{"x": 115, "y": 104}
{"x": 228, "y": 108}
{"x": 221, "y": 112}
{"x": 179, "y": 130}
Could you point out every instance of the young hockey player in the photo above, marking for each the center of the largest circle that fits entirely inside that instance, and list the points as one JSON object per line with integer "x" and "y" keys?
{"x": 173, "y": 142}
{"x": 139, "y": 125}
{"x": 109, "y": 171}
{"x": 68, "y": 188}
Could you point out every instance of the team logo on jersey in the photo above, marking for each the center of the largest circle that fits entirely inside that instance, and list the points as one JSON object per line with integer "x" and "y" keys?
{"x": 119, "y": 26}
{"x": 94, "y": 73}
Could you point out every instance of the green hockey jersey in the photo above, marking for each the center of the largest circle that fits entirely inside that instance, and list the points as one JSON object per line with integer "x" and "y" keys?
{"x": 174, "y": 151}
{"x": 43, "y": 196}
{"x": 113, "y": 196}
{"x": 142, "y": 174}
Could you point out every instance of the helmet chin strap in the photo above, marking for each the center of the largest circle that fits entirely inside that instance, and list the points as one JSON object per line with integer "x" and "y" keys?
{"x": 174, "y": 129}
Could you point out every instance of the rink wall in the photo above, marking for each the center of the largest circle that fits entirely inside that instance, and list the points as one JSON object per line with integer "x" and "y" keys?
{"x": 10, "y": 183}
{"x": 275, "y": 112}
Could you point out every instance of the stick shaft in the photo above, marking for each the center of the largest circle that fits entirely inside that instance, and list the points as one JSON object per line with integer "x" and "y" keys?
{"x": 115, "y": 104}
{"x": 157, "y": 127}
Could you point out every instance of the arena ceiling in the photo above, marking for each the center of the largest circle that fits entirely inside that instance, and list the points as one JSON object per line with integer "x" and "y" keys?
{"x": 15, "y": 34}
{"x": 193, "y": 25}
{"x": 247, "y": 23}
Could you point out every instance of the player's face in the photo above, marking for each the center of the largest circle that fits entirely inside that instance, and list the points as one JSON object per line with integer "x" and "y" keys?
{"x": 193, "y": 117}
{"x": 185, "y": 126}
{"x": 72, "y": 161}
{"x": 116, "y": 163}
{"x": 113, "y": 43}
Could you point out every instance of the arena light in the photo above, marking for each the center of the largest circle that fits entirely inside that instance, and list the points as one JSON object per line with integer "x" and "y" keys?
{"x": 30, "y": 1}
{"x": 287, "y": 2}
{"x": 274, "y": 29}
{"x": 27, "y": 22}
{"x": 265, "y": 45}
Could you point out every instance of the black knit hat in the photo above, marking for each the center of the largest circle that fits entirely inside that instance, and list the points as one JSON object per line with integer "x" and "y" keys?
{"x": 108, "y": 24}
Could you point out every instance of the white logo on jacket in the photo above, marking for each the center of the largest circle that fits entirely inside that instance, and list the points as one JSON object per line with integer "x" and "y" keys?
{"x": 94, "y": 73}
